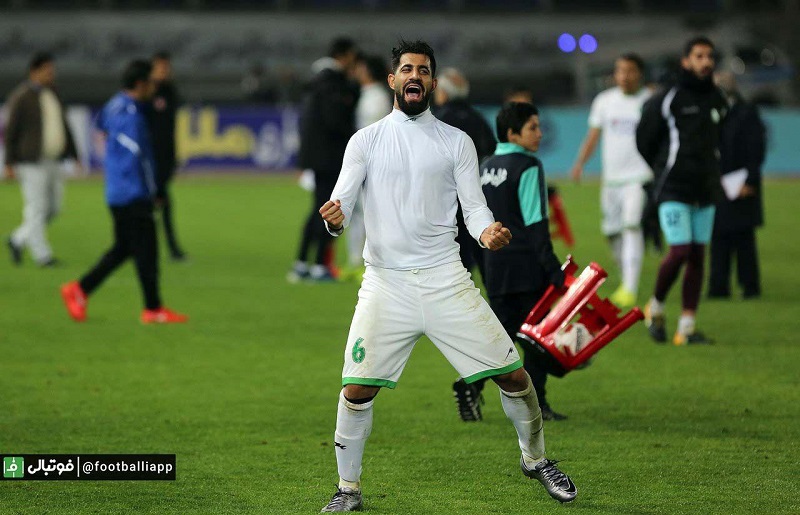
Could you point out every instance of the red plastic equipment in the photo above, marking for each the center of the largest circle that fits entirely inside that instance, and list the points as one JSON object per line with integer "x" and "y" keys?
{"x": 557, "y": 308}
{"x": 558, "y": 218}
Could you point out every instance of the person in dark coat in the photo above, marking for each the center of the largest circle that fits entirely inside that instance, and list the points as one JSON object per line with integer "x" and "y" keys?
{"x": 37, "y": 138}
{"x": 450, "y": 97}
{"x": 742, "y": 146}
{"x": 678, "y": 136}
{"x": 161, "y": 120}
{"x": 327, "y": 121}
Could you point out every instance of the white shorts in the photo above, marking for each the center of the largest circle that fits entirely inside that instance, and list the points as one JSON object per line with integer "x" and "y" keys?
{"x": 395, "y": 308}
{"x": 622, "y": 207}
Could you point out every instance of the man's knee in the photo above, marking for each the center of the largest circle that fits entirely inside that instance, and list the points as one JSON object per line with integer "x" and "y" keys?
{"x": 697, "y": 253}
{"x": 680, "y": 252}
{"x": 359, "y": 392}
{"x": 515, "y": 381}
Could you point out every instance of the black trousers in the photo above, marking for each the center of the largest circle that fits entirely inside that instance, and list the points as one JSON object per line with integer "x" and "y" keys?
{"x": 314, "y": 232}
{"x": 725, "y": 246}
{"x": 166, "y": 218}
{"x": 134, "y": 236}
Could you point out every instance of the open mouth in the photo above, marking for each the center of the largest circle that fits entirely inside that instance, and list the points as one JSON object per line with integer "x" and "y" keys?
{"x": 413, "y": 92}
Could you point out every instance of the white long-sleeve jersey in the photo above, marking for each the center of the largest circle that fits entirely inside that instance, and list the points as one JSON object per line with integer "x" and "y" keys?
{"x": 410, "y": 172}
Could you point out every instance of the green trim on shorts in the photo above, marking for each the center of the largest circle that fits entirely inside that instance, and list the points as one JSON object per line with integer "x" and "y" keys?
{"x": 366, "y": 381}
{"x": 494, "y": 372}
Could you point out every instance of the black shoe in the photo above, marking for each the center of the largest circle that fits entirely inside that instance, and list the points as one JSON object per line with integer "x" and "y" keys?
{"x": 751, "y": 294}
{"x": 468, "y": 400}
{"x": 558, "y": 485}
{"x": 696, "y": 338}
{"x": 549, "y": 414}
{"x": 719, "y": 295}
{"x": 16, "y": 252}
{"x": 178, "y": 255}
{"x": 50, "y": 263}
{"x": 656, "y": 325}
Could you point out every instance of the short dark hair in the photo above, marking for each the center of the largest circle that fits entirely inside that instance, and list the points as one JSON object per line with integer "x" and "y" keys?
{"x": 162, "y": 55}
{"x": 341, "y": 46}
{"x": 697, "y": 40}
{"x": 635, "y": 59}
{"x": 517, "y": 89}
{"x": 376, "y": 67}
{"x": 412, "y": 47}
{"x": 513, "y": 115}
{"x": 40, "y": 59}
{"x": 136, "y": 71}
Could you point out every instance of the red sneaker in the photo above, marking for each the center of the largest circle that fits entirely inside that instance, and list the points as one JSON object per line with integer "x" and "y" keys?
{"x": 162, "y": 315}
{"x": 74, "y": 300}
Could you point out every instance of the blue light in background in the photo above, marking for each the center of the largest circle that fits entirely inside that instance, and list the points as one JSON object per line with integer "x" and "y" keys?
{"x": 588, "y": 43}
{"x": 566, "y": 42}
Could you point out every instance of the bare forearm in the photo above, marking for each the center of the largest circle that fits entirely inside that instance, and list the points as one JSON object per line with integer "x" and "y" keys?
{"x": 588, "y": 146}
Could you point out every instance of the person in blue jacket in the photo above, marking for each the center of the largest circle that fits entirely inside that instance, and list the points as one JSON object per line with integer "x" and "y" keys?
{"x": 130, "y": 188}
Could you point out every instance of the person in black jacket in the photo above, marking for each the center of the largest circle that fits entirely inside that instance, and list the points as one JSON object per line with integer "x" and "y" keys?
{"x": 450, "y": 98}
{"x": 516, "y": 276}
{"x": 161, "y": 118}
{"x": 678, "y": 136}
{"x": 742, "y": 147}
{"x": 327, "y": 121}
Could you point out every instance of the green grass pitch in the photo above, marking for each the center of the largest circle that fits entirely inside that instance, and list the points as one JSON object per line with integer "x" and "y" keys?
{"x": 245, "y": 394}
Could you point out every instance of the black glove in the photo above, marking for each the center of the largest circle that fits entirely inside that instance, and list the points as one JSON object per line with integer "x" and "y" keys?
{"x": 557, "y": 278}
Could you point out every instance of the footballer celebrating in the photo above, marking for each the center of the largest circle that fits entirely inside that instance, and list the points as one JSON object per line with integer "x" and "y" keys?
{"x": 410, "y": 171}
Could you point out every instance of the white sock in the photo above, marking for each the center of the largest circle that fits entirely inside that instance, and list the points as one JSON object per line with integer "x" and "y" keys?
{"x": 616, "y": 248}
{"x": 656, "y": 307}
{"x": 632, "y": 253}
{"x": 522, "y": 409}
{"x": 353, "y": 426}
{"x": 300, "y": 267}
{"x": 686, "y": 324}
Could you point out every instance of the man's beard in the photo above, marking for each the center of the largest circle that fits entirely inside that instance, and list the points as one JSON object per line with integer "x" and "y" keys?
{"x": 412, "y": 108}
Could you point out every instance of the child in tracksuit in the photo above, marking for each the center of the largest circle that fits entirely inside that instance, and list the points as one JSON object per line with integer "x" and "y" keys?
{"x": 517, "y": 276}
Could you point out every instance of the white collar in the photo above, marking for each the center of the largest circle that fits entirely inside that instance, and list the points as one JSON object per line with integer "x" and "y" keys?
{"x": 399, "y": 116}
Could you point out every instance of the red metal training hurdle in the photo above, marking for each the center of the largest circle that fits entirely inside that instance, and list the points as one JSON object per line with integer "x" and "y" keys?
{"x": 556, "y": 309}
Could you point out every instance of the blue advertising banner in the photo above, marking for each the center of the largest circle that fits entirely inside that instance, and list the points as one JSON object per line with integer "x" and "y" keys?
{"x": 254, "y": 137}
{"x": 229, "y": 139}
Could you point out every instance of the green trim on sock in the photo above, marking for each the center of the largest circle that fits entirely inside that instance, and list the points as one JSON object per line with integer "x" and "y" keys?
{"x": 494, "y": 372}
{"x": 366, "y": 381}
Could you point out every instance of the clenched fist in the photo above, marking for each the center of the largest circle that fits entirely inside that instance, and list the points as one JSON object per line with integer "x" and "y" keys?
{"x": 332, "y": 213}
{"x": 495, "y": 237}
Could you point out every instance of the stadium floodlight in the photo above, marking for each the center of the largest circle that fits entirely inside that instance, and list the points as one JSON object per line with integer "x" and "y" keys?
{"x": 588, "y": 43}
{"x": 567, "y": 43}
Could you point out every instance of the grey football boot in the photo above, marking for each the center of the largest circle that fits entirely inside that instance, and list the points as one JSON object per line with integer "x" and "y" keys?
{"x": 344, "y": 499}
{"x": 558, "y": 485}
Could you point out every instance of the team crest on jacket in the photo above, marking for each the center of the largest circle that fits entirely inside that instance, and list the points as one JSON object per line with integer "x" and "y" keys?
{"x": 494, "y": 176}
